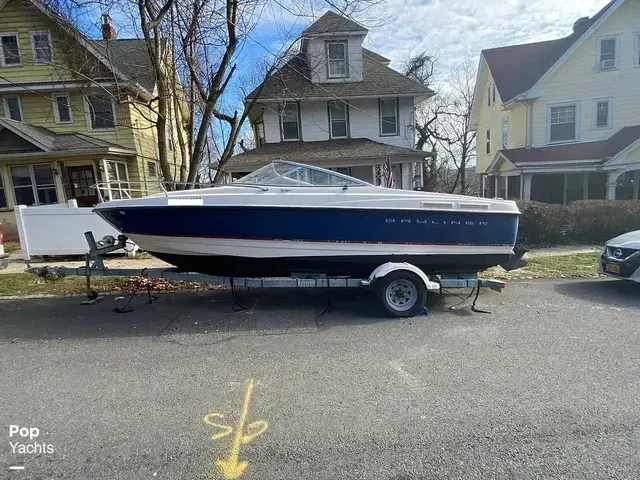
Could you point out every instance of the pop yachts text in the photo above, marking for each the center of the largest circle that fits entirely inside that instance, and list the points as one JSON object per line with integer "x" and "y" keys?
{"x": 31, "y": 448}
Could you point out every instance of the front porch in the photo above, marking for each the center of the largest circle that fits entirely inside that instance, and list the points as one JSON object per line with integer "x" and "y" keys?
{"x": 39, "y": 167}
{"x": 360, "y": 158}
{"x": 562, "y": 188}
{"x": 607, "y": 169}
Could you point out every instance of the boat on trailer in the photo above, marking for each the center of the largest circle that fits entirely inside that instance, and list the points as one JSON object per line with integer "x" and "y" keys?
{"x": 288, "y": 218}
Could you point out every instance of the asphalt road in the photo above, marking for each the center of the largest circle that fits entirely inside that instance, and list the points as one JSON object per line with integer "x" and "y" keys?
{"x": 547, "y": 386}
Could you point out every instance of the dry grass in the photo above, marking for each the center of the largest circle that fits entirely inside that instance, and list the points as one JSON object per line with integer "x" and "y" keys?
{"x": 10, "y": 247}
{"x": 573, "y": 265}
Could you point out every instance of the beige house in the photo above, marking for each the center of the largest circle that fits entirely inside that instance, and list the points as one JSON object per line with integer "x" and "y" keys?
{"x": 559, "y": 121}
{"x": 74, "y": 112}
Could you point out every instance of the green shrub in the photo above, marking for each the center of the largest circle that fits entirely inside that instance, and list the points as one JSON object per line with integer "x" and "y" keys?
{"x": 542, "y": 223}
{"x": 594, "y": 221}
{"x": 587, "y": 221}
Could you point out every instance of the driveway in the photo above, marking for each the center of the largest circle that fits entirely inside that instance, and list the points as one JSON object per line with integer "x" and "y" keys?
{"x": 546, "y": 386}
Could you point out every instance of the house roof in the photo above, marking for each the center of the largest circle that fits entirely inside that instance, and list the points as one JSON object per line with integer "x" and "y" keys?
{"x": 131, "y": 56}
{"x": 598, "y": 151}
{"x": 318, "y": 152}
{"x": 293, "y": 81}
{"x": 517, "y": 68}
{"x": 50, "y": 141}
{"x": 331, "y": 22}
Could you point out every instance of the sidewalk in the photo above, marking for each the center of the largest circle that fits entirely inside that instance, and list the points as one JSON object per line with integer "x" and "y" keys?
{"x": 18, "y": 265}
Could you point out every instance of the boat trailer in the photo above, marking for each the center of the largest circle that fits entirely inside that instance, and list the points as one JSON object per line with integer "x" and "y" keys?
{"x": 401, "y": 288}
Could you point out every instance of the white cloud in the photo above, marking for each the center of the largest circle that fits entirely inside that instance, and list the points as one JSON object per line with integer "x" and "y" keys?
{"x": 455, "y": 28}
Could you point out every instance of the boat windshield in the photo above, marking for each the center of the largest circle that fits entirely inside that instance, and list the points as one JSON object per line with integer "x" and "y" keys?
{"x": 291, "y": 173}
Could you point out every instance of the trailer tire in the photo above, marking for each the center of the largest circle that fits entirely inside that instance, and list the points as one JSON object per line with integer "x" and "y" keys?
{"x": 402, "y": 293}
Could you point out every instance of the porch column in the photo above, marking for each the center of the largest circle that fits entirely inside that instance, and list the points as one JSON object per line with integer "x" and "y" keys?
{"x": 526, "y": 186}
{"x": 377, "y": 174}
{"x": 57, "y": 180}
{"x": 406, "y": 172}
{"x": 612, "y": 182}
{"x": 483, "y": 182}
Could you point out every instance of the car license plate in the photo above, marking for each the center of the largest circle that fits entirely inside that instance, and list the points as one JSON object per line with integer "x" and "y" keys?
{"x": 612, "y": 268}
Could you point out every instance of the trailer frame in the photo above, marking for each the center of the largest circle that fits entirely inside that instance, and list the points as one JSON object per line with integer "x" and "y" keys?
{"x": 95, "y": 267}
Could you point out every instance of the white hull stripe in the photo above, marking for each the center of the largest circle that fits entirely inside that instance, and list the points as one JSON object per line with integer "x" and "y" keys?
{"x": 289, "y": 248}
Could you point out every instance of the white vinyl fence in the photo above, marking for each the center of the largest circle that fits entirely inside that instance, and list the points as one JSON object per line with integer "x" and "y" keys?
{"x": 59, "y": 229}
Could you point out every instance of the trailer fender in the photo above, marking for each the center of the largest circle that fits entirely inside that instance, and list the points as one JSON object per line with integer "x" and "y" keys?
{"x": 389, "y": 267}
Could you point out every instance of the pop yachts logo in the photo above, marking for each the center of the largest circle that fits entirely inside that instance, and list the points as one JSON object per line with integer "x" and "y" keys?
{"x": 19, "y": 444}
{"x": 465, "y": 223}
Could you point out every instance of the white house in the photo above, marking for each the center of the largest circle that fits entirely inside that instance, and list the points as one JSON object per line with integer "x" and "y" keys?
{"x": 337, "y": 105}
{"x": 559, "y": 121}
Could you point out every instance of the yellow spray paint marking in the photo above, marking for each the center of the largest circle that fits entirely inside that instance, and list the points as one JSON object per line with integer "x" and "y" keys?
{"x": 230, "y": 466}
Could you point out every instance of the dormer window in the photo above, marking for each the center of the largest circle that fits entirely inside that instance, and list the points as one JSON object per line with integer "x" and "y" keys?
{"x": 337, "y": 59}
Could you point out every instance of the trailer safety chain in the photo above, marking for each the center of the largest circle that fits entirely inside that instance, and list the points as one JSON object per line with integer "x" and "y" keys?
{"x": 474, "y": 290}
{"x": 151, "y": 298}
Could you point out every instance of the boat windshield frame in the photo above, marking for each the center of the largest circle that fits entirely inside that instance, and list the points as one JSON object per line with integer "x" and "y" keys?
{"x": 277, "y": 179}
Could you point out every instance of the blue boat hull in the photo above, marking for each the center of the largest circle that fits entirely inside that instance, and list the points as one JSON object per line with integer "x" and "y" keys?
{"x": 394, "y": 228}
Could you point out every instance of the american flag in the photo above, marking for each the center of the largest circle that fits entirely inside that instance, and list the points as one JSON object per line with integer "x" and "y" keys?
{"x": 387, "y": 174}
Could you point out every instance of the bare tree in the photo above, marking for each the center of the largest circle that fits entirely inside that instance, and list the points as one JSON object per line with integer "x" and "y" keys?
{"x": 456, "y": 138}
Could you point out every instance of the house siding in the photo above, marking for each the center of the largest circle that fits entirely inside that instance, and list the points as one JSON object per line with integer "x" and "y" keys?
{"x": 23, "y": 18}
{"x": 578, "y": 80}
{"x": 363, "y": 121}
{"x": 492, "y": 117}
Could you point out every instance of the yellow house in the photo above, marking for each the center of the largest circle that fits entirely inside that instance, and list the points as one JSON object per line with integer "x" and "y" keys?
{"x": 559, "y": 121}
{"x": 74, "y": 113}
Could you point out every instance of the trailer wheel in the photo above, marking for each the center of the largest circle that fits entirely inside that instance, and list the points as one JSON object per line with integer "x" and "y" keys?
{"x": 401, "y": 293}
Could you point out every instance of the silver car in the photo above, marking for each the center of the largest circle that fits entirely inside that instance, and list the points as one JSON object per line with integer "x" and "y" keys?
{"x": 621, "y": 257}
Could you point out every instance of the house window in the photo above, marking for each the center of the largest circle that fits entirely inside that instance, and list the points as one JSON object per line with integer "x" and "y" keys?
{"x": 33, "y": 184}
{"x": 338, "y": 119}
{"x": 290, "y": 122}
{"x": 259, "y": 133}
{"x": 13, "y": 108}
{"x": 62, "y": 108}
{"x": 337, "y": 59}
{"x": 505, "y": 133}
{"x": 152, "y": 169}
{"x": 41, "y": 47}
{"x": 608, "y": 53}
{"x": 602, "y": 114}
{"x": 100, "y": 112}
{"x": 10, "y": 49}
{"x": 493, "y": 93}
{"x": 563, "y": 126}
{"x": 117, "y": 179}
{"x": 636, "y": 60}
{"x": 489, "y": 96}
{"x": 3, "y": 197}
{"x": 388, "y": 109}
{"x": 170, "y": 143}
{"x": 488, "y": 142}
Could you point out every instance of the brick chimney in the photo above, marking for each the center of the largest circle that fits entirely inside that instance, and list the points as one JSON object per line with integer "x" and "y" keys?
{"x": 108, "y": 33}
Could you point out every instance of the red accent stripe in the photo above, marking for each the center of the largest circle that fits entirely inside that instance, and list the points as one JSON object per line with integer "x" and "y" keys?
{"x": 336, "y": 242}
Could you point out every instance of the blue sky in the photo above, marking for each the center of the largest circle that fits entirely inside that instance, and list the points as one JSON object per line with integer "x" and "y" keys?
{"x": 450, "y": 29}
{"x": 398, "y": 29}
